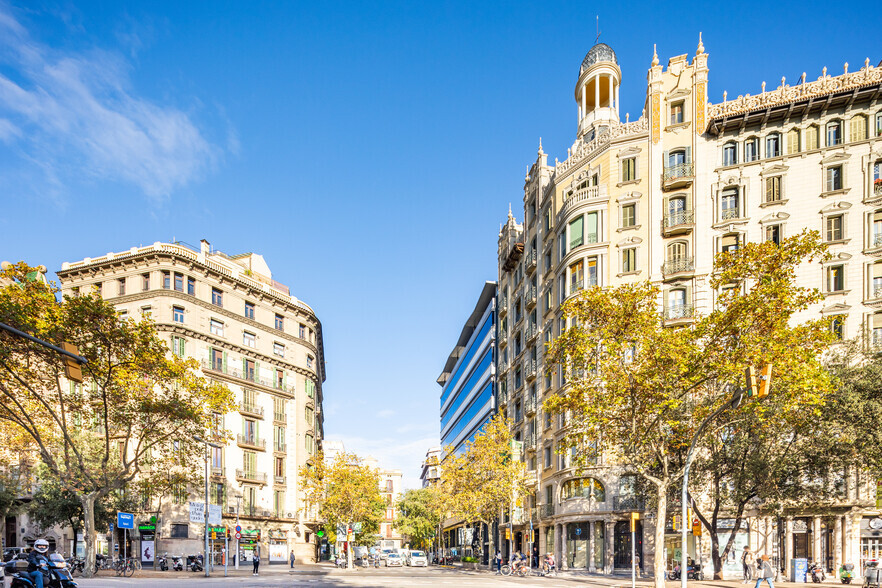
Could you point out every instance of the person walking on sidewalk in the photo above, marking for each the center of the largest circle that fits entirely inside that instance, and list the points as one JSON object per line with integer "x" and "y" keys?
{"x": 746, "y": 559}
{"x": 765, "y": 572}
{"x": 292, "y": 559}
{"x": 256, "y": 558}
{"x": 498, "y": 561}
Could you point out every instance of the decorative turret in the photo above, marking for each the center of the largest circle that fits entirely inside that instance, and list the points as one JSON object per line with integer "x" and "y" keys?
{"x": 597, "y": 91}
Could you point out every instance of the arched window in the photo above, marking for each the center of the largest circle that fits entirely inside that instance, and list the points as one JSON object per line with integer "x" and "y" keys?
{"x": 793, "y": 141}
{"x": 730, "y": 153}
{"x": 811, "y": 138}
{"x": 677, "y": 307}
{"x": 583, "y": 488}
{"x": 773, "y": 145}
{"x": 834, "y": 133}
{"x": 858, "y": 128}
{"x": 677, "y": 251}
{"x": 751, "y": 149}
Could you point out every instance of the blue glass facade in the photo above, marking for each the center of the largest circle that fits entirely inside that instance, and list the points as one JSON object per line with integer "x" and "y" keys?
{"x": 467, "y": 394}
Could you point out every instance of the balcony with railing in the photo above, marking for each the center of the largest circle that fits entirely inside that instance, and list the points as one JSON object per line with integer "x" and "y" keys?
{"x": 629, "y": 503}
{"x": 530, "y": 260}
{"x": 251, "y": 442}
{"x": 244, "y": 375}
{"x": 280, "y": 446}
{"x": 531, "y": 331}
{"x": 251, "y": 476}
{"x": 530, "y": 443}
{"x": 675, "y": 176}
{"x": 502, "y": 306}
{"x": 503, "y": 338}
{"x": 678, "y": 266}
{"x": 678, "y": 222}
{"x": 217, "y": 471}
{"x": 530, "y": 296}
{"x": 546, "y": 510}
{"x": 251, "y": 409}
{"x": 280, "y": 417}
{"x": 683, "y": 313}
{"x": 530, "y": 369}
{"x": 530, "y": 404}
{"x": 502, "y": 397}
{"x": 730, "y": 214}
{"x": 877, "y": 187}
{"x": 279, "y": 479}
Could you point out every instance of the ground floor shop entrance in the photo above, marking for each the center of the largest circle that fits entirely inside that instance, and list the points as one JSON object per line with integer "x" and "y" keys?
{"x": 622, "y": 545}
{"x": 584, "y": 548}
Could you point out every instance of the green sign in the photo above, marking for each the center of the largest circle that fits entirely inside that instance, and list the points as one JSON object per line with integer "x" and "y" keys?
{"x": 319, "y": 533}
{"x": 146, "y": 527}
{"x": 153, "y": 519}
{"x": 218, "y": 530}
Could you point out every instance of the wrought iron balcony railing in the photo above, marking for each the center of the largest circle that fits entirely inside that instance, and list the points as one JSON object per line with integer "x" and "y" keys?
{"x": 680, "y": 170}
{"x": 676, "y": 266}
{"x": 682, "y": 311}
{"x": 678, "y": 218}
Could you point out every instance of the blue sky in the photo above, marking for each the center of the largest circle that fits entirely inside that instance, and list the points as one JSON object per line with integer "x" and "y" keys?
{"x": 368, "y": 150}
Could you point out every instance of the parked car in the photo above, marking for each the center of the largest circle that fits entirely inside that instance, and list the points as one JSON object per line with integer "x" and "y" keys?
{"x": 393, "y": 559}
{"x": 385, "y": 553}
{"x": 417, "y": 559}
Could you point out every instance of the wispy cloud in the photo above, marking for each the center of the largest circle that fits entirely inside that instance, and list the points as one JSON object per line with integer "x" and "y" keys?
{"x": 74, "y": 116}
{"x": 385, "y": 413}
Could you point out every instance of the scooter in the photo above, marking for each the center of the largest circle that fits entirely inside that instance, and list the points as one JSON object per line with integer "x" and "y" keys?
{"x": 194, "y": 562}
{"x": 817, "y": 573}
{"x": 177, "y": 563}
{"x": 846, "y": 573}
{"x": 162, "y": 562}
{"x": 53, "y": 575}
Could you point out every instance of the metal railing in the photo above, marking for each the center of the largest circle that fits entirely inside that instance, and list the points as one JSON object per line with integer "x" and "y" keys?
{"x": 530, "y": 259}
{"x": 530, "y": 405}
{"x": 877, "y": 188}
{"x": 250, "y": 476}
{"x": 503, "y": 337}
{"x": 530, "y": 296}
{"x": 217, "y": 471}
{"x": 280, "y": 416}
{"x": 279, "y": 479}
{"x": 530, "y": 368}
{"x": 675, "y": 266}
{"x": 628, "y": 503}
{"x": 877, "y": 240}
{"x": 681, "y": 170}
{"x": 502, "y": 305}
{"x": 678, "y": 312}
{"x": 250, "y": 408}
{"x": 251, "y": 441}
{"x": 279, "y": 446}
{"x": 248, "y": 376}
{"x": 877, "y": 292}
{"x": 530, "y": 440}
{"x": 531, "y": 331}
{"x": 730, "y": 213}
{"x": 678, "y": 218}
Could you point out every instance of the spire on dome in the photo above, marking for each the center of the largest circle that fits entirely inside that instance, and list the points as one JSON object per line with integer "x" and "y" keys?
{"x": 700, "y": 49}
{"x": 654, "y": 55}
{"x": 540, "y": 152}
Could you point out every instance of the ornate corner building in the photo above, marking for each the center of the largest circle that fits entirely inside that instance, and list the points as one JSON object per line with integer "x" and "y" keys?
{"x": 655, "y": 199}
{"x": 248, "y": 332}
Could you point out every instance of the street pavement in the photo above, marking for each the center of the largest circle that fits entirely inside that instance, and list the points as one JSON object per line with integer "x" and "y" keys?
{"x": 327, "y": 575}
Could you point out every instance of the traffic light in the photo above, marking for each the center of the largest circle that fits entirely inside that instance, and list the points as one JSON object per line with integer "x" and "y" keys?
{"x": 72, "y": 369}
{"x": 750, "y": 375}
{"x": 635, "y": 516}
{"x": 765, "y": 380}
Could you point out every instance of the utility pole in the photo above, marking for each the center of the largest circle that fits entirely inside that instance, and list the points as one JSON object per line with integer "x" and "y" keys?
{"x": 207, "y": 552}
{"x": 238, "y": 498}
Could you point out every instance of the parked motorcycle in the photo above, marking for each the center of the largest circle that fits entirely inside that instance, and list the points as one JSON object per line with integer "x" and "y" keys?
{"x": 162, "y": 562}
{"x": 817, "y": 572}
{"x": 54, "y": 576}
{"x": 177, "y": 563}
{"x": 692, "y": 573}
{"x": 846, "y": 573}
{"x": 194, "y": 563}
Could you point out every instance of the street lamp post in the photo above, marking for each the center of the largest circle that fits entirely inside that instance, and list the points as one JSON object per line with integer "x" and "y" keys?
{"x": 684, "y": 533}
{"x": 238, "y": 498}
{"x": 205, "y": 556}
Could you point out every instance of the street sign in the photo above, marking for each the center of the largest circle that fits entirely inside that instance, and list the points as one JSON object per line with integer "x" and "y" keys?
{"x": 341, "y": 529}
{"x": 125, "y": 520}
{"x": 214, "y": 514}
{"x": 356, "y": 527}
{"x": 111, "y": 528}
{"x": 238, "y": 533}
{"x": 213, "y": 535}
{"x": 238, "y": 528}
{"x": 578, "y": 531}
{"x": 197, "y": 512}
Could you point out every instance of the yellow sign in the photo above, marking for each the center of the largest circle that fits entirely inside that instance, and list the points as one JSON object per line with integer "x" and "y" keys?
{"x": 635, "y": 516}
{"x": 213, "y": 535}
{"x": 696, "y": 527}
{"x": 507, "y": 534}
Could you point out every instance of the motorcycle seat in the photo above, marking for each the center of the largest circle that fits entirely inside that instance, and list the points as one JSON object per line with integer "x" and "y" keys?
{"x": 20, "y": 565}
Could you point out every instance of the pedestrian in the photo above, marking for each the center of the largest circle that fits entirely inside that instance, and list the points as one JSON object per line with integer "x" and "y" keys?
{"x": 292, "y": 559}
{"x": 255, "y": 556}
{"x": 765, "y": 572}
{"x": 498, "y": 561}
{"x": 746, "y": 558}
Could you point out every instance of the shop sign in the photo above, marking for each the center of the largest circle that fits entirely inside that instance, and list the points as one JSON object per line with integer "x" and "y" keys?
{"x": 146, "y": 527}
{"x": 278, "y": 534}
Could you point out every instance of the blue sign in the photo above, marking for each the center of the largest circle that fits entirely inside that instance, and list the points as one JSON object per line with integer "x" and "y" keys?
{"x": 578, "y": 531}
{"x": 125, "y": 520}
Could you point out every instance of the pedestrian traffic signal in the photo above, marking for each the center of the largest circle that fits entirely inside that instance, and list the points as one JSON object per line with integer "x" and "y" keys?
{"x": 765, "y": 380}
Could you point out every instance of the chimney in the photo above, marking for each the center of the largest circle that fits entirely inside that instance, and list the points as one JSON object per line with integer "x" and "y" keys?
{"x": 206, "y": 247}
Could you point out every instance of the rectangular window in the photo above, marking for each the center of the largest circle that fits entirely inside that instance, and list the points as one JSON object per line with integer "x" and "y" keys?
{"x": 837, "y": 326}
{"x": 178, "y": 346}
{"x": 216, "y": 327}
{"x": 629, "y": 169}
{"x": 217, "y": 360}
{"x": 793, "y": 141}
{"x": 121, "y": 287}
{"x": 302, "y": 333}
{"x": 773, "y": 189}
{"x": 548, "y": 220}
{"x": 729, "y": 206}
{"x": 629, "y": 260}
{"x": 249, "y": 310}
{"x": 146, "y": 311}
{"x": 834, "y": 228}
{"x": 834, "y": 178}
{"x": 248, "y": 367}
{"x": 180, "y": 530}
{"x": 577, "y": 235}
{"x": 280, "y": 323}
{"x": 834, "y": 134}
{"x": 309, "y": 444}
{"x": 279, "y": 349}
{"x": 217, "y": 493}
{"x": 166, "y": 280}
{"x": 145, "y": 282}
{"x": 217, "y": 457}
{"x": 217, "y": 297}
{"x": 592, "y": 234}
{"x": 279, "y": 470}
{"x": 310, "y": 388}
{"x": 191, "y": 286}
{"x": 279, "y": 438}
{"x": 773, "y": 234}
{"x": 773, "y": 145}
{"x": 249, "y": 339}
{"x": 730, "y": 243}
{"x": 858, "y": 131}
{"x": 677, "y": 112}
{"x": 836, "y": 278}
{"x": 309, "y": 360}
{"x": 750, "y": 150}
{"x": 178, "y": 314}
{"x": 730, "y": 154}
{"x": 278, "y": 409}
{"x": 280, "y": 379}
{"x": 591, "y": 272}
{"x": 577, "y": 276}
{"x": 629, "y": 215}
{"x": 811, "y": 138}
{"x": 179, "y": 282}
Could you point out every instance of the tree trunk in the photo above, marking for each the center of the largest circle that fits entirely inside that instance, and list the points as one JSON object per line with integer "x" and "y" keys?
{"x": 89, "y": 537}
{"x": 715, "y": 555}
{"x": 491, "y": 537}
{"x": 658, "y": 560}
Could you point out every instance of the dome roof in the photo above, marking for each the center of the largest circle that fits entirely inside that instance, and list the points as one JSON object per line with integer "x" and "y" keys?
{"x": 600, "y": 52}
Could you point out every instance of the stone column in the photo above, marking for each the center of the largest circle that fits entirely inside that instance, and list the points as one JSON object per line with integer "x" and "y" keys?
{"x": 608, "y": 554}
{"x": 562, "y": 543}
{"x": 597, "y": 92}
{"x": 611, "y": 95}
{"x": 591, "y": 567}
{"x": 788, "y": 543}
{"x": 837, "y": 544}
{"x": 584, "y": 101}
{"x": 816, "y": 540}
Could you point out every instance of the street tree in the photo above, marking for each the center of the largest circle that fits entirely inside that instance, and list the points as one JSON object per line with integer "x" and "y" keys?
{"x": 347, "y": 491}
{"x": 640, "y": 381}
{"x": 419, "y": 513}
{"x": 135, "y": 413}
{"x": 485, "y": 479}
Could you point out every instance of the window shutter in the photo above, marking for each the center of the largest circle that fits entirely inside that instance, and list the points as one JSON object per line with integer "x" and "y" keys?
{"x": 244, "y": 367}
{"x": 689, "y": 155}
{"x": 225, "y": 362}
{"x": 591, "y": 229}
{"x": 576, "y": 232}
{"x": 667, "y": 159}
